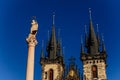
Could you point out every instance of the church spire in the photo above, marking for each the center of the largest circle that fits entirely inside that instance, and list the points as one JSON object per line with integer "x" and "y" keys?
{"x": 51, "y": 48}
{"x": 92, "y": 40}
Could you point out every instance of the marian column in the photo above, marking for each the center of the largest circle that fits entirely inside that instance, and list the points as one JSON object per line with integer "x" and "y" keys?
{"x": 32, "y": 42}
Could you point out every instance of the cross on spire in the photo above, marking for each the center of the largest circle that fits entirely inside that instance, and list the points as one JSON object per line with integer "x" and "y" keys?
{"x": 53, "y": 18}
{"x": 90, "y": 13}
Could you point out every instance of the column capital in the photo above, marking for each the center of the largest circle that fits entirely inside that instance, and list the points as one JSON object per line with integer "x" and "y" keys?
{"x": 31, "y": 40}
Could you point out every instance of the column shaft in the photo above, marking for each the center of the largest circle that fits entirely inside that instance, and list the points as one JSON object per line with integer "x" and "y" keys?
{"x": 30, "y": 63}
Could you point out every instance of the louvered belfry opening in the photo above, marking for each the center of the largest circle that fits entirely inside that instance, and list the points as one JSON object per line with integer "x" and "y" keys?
{"x": 51, "y": 74}
{"x": 94, "y": 71}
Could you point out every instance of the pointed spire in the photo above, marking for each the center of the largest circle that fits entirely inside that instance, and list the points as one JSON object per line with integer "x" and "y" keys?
{"x": 59, "y": 49}
{"x": 98, "y": 37}
{"x": 103, "y": 45}
{"x": 90, "y": 15}
{"x": 52, "y": 46}
{"x": 48, "y": 40}
{"x": 82, "y": 46}
{"x": 86, "y": 36}
{"x": 53, "y": 36}
{"x": 42, "y": 52}
{"x": 92, "y": 40}
{"x": 61, "y": 52}
{"x": 59, "y": 42}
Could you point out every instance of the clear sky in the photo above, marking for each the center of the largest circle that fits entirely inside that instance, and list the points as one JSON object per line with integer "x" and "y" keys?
{"x": 71, "y": 16}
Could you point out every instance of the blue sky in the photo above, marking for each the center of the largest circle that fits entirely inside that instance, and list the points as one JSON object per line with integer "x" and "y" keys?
{"x": 71, "y": 16}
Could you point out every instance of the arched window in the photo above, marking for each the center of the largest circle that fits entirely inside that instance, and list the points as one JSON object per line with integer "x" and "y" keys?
{"x": 94, "y": 71}
{"x": 51, "y": 74}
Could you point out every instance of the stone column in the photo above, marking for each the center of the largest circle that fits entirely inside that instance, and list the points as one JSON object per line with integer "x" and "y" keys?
{"x": 32, "y": 42}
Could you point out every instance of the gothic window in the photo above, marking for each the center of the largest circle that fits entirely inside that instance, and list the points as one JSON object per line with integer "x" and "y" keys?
{"x": 94, "y": 71}
{"x": 51, "y": 74}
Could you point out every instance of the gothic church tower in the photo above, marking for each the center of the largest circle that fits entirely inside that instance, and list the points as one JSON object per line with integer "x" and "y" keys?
{"x": 93, "y": 56}
{"x": 52, "y": 64}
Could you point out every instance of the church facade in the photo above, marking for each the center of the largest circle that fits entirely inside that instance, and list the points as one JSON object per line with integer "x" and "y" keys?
{"x": 93, "y": 57}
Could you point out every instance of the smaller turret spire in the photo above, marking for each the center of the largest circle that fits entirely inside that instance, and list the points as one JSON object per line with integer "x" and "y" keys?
{"x": 59, "y": 49}
{"x": 86, "y": 37}
{"x": 42, "y": 52}
{"x": 103, "y": 45}
{"x": 90, "y": 13}
{"x": 98, "y": 37}
{"x": 82, "y": 47}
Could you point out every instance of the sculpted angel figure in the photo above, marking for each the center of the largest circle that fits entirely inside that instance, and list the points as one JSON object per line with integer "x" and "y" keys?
{"x": 34, "y": 27}
{"x": 33, "y": 32}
